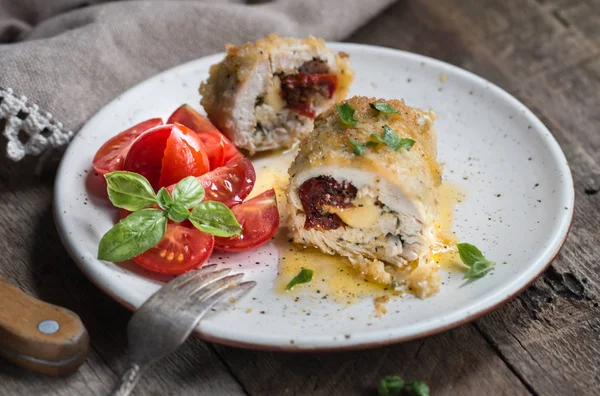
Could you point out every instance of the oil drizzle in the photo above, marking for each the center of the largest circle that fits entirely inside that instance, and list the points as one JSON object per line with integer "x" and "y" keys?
{"x": 445, "y": 253}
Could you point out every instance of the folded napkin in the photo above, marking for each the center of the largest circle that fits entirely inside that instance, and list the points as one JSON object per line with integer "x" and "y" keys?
{"x": 62, "y": 60}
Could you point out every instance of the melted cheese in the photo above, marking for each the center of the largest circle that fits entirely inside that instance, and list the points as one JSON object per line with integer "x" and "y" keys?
{"x": 273, "y": 95}
{"x": 363, "y": 215}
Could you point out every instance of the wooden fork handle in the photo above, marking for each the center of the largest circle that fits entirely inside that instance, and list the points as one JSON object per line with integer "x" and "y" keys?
{"x": 39, "y": 336}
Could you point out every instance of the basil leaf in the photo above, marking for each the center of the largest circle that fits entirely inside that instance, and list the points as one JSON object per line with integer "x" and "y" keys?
{"x": 416, "y": 388}
{"x": 392, "y": 140}
{"x": 390, "y": 385}
{"x": 479, "y": 269}
{"x": 474, "y": 259}
{"x": 133, "y": 235}
{"x": 469, "y": 254}
{"x": 178, "y": 212}
{"x": 164, "y": 199}
{"x": 188, "y": 192}
{"x": 215, "y": 218}
{"x": 384, "y": 108}
{"x": 357, "y": 147}
{"x": 346, "y": 113}
{"x": 129, "y": 190}
{"x": 304, "y": 276}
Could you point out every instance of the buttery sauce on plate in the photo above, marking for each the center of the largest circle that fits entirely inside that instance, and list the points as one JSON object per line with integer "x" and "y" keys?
{"x": 333, "y": 276}
{"x": 445, "y": 253}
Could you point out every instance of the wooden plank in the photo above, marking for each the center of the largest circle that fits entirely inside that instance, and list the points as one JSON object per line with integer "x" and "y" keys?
{"x": 34, "y": 259}
{"x": 459, "y": 362}
{"x": 544, "y": 52}
{"x": 549, "y": 335}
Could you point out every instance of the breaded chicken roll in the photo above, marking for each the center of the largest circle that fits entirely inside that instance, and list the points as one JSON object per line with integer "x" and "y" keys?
{"x": 365, "y": 185}
{"x": 264, "y": 95}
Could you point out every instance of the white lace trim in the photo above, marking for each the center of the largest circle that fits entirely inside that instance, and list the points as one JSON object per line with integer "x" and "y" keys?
{"x": 37, "y": 130}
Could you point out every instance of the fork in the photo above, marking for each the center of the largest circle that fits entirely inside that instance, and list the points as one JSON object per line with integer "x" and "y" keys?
{"x": 168, "y": 317}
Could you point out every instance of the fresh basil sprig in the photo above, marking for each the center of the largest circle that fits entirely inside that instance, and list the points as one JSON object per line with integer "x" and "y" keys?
{"x": 393, "y": 385}
{"x": 392, "y": 140}
{"x": 383, "y": 107}
{"x": 304, "y": 276}
{"x": 346, "y": 113}
{"x": 175, "y": 210}
{"x": 144, "y": 228}
{"x": 474, "y": 259}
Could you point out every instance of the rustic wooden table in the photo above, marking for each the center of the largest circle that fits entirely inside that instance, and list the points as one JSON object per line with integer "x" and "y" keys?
{"x": 545, "y": 342}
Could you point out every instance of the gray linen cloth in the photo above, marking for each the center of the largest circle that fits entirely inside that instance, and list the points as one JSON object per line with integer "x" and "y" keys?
{"x": 62, "y": 60}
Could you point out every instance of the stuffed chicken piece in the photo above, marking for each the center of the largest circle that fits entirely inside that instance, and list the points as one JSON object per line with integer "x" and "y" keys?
{"x": 369, "y": 191}
{"x": 264, "y": 95}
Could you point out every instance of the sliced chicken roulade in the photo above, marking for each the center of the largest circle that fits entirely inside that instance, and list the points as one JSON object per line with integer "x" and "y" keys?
{"x": 365, "y": 185}
{"x": 264, "y": 95}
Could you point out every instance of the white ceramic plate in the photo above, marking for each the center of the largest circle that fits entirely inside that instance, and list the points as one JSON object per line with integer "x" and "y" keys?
{"x": 518, "y": 209}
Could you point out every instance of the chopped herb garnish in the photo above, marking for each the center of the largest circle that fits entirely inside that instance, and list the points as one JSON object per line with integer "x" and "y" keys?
{"x": 384, "y": 108}
{"x": 392, "y": 140}
{"x": 357, "y": 147}
{"x": 393, "y": 385}
{"x": 304, "y": 276}
{"x": 387, "y": 137}
{"x": 417, "y": 388}
{"x": 474, "y": 259}
{"x": 346, "y": 113}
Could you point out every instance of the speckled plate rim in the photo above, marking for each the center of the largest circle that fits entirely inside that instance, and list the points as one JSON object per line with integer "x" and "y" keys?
{"x": 383, "y": 337}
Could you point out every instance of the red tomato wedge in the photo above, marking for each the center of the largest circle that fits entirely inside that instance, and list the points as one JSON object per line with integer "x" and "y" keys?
{"x": 184, "y": 156}
{"x": 166, "y": 154}
{"x": 215, "y": 147}
{"x": 259, "y": 219}
{"x": 189, "y": 117}
{"x": 231, "y": 154}
{"x": 219, "y": 149}
{"x": 181, "y": 249}
{"x": 228, "y": 184}
{"x": 111, "y": 155}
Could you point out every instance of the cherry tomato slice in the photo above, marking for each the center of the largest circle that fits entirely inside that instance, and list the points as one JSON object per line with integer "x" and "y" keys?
{"x": 111, "y": 155}
{"x": 228, "y": 184}
{"x": 189, "y": 117}
{"x": 146, "y": 153}
{"x": 215, "y": 147}
{"x": 175, "y": 148}
{"x": 184, "y": 156}
{"x": 259, "y": 219}
{"x": 219, "y": 149}
{"x": 181, "y": 249}
{"x": 231, "y": 154}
